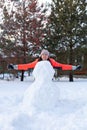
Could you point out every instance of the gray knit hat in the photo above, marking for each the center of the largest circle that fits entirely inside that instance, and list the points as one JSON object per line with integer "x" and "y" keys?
{"x": 44, "y": 52}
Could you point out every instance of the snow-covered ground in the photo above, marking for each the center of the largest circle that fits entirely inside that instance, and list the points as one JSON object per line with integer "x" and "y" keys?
{"x": 43, "y": 104}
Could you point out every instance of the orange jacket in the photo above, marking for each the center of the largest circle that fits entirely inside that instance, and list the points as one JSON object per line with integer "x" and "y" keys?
{"x": 54, "y": 63}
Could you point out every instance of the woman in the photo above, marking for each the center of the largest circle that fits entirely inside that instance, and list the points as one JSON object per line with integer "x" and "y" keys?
{"x": 44, "y": 56}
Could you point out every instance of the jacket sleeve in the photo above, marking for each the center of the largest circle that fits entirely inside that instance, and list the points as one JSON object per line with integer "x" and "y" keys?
{"x": 26, "y": 66}
{"x": 58, "y": 65}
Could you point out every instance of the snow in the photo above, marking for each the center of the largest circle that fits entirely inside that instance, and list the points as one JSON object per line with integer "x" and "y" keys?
{"x": 39, "y": 103}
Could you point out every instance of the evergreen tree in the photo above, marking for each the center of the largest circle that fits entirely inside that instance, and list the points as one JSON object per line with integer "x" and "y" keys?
{"x": 67, "y": 27}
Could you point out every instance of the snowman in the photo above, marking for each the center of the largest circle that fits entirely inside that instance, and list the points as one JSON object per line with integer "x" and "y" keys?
{"x": 43, "y": 94}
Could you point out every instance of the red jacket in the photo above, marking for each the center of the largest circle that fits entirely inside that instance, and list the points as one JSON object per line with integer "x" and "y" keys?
{"x": 54, "y": 63}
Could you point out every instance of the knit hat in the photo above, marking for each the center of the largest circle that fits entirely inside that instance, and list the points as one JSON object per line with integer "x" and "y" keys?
{"x": 44, "y": 52}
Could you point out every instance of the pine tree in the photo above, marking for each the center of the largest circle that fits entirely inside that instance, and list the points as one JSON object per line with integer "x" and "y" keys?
{"x": 67, "y": 27}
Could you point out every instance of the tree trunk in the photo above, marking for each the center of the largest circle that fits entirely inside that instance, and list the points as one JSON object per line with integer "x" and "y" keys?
{"x": 22, "y": 75}
{"x": 71, "y": 62}
{"x": 71, "y": 76}
{"x": 24, "y": 41}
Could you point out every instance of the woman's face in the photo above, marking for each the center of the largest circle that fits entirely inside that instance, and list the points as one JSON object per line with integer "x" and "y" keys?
{"x": 44, "y": 56}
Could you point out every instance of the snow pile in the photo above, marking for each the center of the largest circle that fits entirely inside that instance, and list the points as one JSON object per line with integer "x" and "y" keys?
{"x": 43, "y": 104}
{"x": 42, "y": 95}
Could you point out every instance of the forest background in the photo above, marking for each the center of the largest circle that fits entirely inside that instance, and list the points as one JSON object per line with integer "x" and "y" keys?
{"x": 27, "y": 27}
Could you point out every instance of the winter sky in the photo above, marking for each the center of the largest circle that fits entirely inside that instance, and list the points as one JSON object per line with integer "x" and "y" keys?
{"x": 44, "y": 1}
